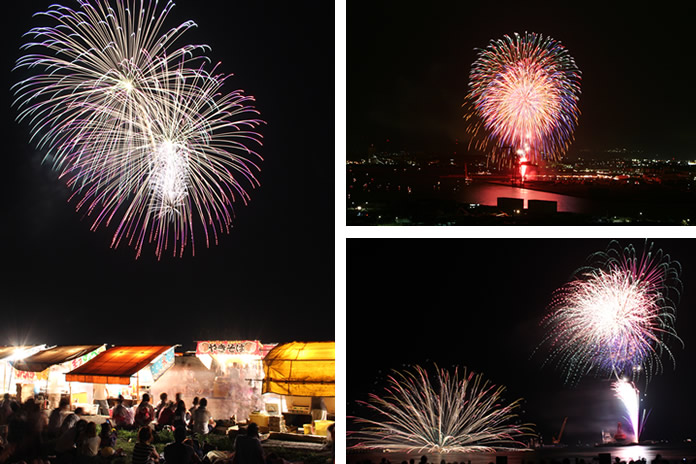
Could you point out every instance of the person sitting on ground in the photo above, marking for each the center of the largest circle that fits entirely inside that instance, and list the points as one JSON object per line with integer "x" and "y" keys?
{"x": 143, "y": 451}
{"x": 180, "y": 452}
{"x": 248, "y": 447}
{"x": 181, "y": 416}
{"x": 162, "y": 404}
{"x": 122, "y": 416}
{"x": 166, "y": 416}
{"x": 201, "y": 420}
{"x": 145, "y": 413}
{"x": 90, "y": 442}
{"x": 68, "y": 442}
{"x": 5, "y": 409}
{"x": 55, "y": 420}
{"x": 107, "y": 436}
{"x": 70, "y": 420}
{"x": 194, "y": 407}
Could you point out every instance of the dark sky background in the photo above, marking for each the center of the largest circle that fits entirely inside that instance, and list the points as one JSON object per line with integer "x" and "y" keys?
{"x": 479, "y": 303}
{"x": 408, "y": 65}
{"x": 271, "y": 278}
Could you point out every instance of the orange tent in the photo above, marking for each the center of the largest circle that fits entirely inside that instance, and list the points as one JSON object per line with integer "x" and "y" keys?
{"x": 116, "y": 365}
{"x": 301, "y": 369}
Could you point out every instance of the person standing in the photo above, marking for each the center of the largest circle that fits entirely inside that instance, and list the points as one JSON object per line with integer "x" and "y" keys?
{"x": 100, "y": 394}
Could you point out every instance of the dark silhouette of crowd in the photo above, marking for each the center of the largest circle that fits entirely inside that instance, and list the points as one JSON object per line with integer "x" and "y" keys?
{"x": 30, "y": 436}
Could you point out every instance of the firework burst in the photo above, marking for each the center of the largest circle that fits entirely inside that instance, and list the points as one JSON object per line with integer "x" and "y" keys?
{"x": 142, "y": 133}
{"x": 522, "y": 100}
{"x": 616, "y": 315}
{"x": 447, "y": 414}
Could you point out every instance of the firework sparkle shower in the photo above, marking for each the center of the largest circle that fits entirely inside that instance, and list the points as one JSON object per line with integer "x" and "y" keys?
{"x": 136, "y": 125}
{"x": 523, "y": 99}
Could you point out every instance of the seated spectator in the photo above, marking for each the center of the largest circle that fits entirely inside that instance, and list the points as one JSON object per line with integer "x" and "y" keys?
{"x": 58, "y": 415}
{"x": 180, "y": 452}
{"x": 201, "y": 420}
{"x": 122, "y": 416}
{"x": 194, "y": 407}
{"x": 162, "y": 404}
{"x": 107, "y": 436}
{"x": 248, "y": 447}
{"x": 90, "y": 442}
{"x": 145, "y": 413}
{"x": 143, "y": 451}
{"x": 181, "y": 416}
{"x": 166, "y": 416}
{"x": 68, "y": 442}
{"x": 70, "y": 420}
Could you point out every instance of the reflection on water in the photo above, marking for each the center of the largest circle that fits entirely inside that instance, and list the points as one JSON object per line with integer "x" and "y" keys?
{"x": 487, "y": 194}
{"x": 673, "y": 454}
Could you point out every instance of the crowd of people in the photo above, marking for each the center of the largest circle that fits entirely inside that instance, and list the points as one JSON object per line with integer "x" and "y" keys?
{"x": 196, "y": 419}
{"x": 29, "y": 436}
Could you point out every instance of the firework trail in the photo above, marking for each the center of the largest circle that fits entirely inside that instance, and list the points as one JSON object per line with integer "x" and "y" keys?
{"x": 141, "y": 132}
{"x": 447, "y": 414}
{"x": 615, "y": 316}
{"x": 523, "y": 99}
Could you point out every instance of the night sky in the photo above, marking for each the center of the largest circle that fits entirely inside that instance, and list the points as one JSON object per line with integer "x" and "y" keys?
{"x": 479, "y": 303}
{"x": 408, "y": 66}
{"x": 270, "y": 279}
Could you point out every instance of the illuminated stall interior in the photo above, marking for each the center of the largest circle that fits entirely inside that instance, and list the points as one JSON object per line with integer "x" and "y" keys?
{"x": 237, "y": 366}
{"x": 299, "y": 384}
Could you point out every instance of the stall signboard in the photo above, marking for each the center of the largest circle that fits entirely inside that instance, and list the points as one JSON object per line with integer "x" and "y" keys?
{"x": 229, "y": 348}
{"x": 77, "y": 362}
{"x": 160, "y": 365}
{"x": 30, "y": 377}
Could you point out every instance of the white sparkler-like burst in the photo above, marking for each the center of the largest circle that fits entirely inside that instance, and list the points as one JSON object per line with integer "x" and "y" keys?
{"x": 446, "y": 414}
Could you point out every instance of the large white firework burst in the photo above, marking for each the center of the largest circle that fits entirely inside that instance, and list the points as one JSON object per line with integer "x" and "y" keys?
{"x": 445, "y": 414}
{"x": 144, "y": 135}
{"x": 616, "y": 315}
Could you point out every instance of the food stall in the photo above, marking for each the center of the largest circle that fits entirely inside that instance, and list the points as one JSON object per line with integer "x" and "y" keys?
{"x": 237, "y": 366}
{"x": 8, "y": 354}
{"x": 44, "y": 372}
{"x": 302, "y": 377}
{"x": 129, "y": 371}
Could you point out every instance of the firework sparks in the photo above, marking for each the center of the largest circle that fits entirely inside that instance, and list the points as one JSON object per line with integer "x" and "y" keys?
{"x": 141, "y": 132}
{"x": 449, "y": 414}
{"x": 616, "y": 315}
{"x": 523, "y": 97}
{"x": 628, "y": 394}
